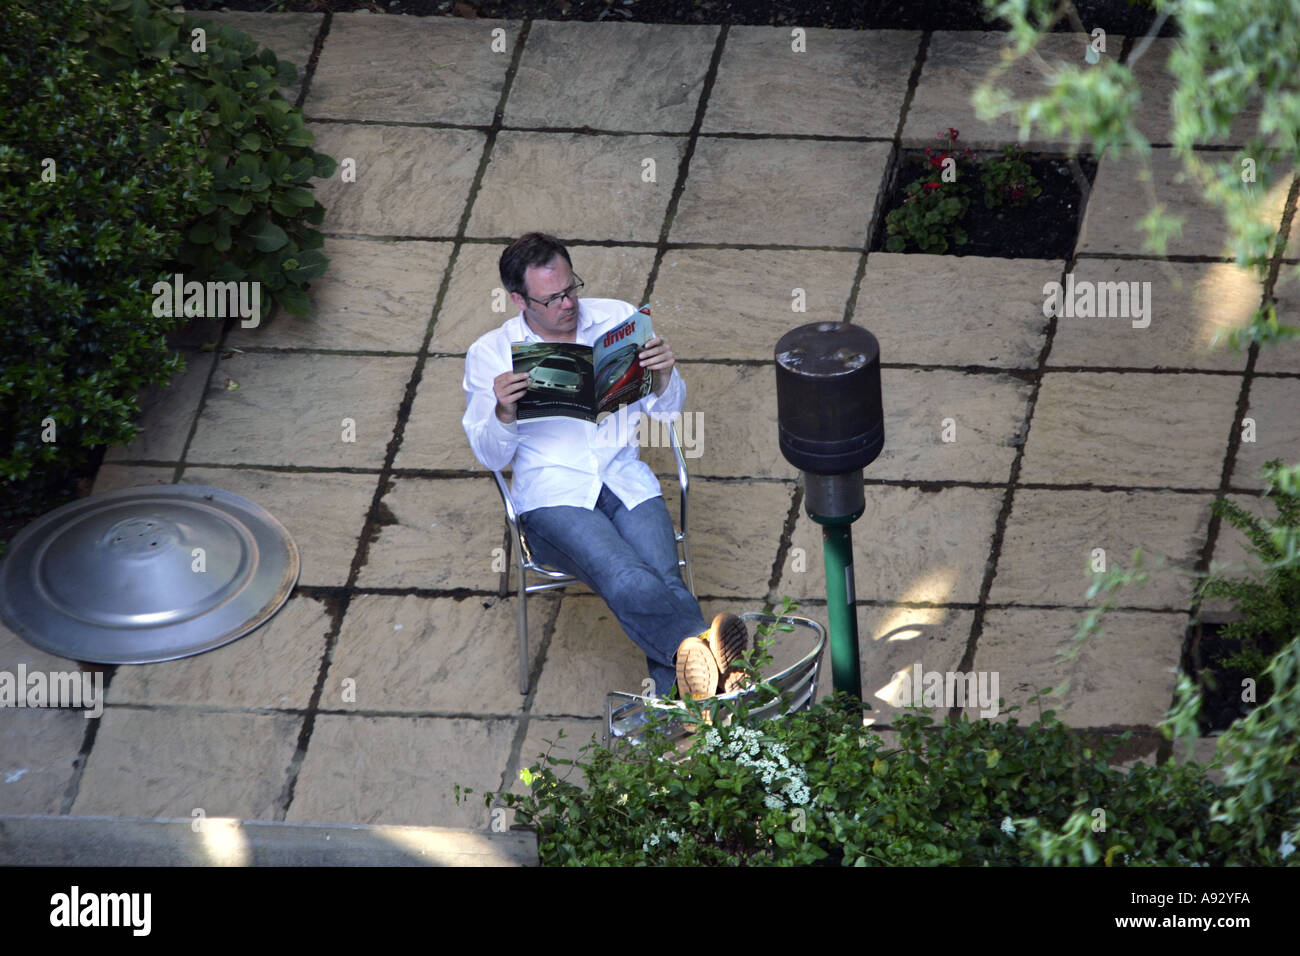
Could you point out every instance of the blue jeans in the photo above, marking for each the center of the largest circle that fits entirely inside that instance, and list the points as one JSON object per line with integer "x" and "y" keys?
{"x": 629, "y": 558}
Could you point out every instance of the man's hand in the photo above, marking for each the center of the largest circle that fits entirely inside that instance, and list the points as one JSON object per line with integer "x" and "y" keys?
{"x": 657, "y": 356}
{"x": 509, "y": 387}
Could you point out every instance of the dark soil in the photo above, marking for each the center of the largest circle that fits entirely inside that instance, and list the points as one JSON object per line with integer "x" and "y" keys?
{"x": 1044, "y": 227}
{"x": 1220, "y": 683}
{"x": 1121, "y": 17}
{"x": 25, "y": 504}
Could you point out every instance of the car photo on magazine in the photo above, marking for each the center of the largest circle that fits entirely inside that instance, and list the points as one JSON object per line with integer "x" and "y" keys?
{"x": 582, "y": 381}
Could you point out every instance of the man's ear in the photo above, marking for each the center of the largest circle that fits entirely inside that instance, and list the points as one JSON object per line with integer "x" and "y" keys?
{"x": 520, "y": 302}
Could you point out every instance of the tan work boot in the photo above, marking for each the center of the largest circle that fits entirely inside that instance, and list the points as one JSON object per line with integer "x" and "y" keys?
{"x": 728, "y": 638}
{"x": 697, "y": 669}
{"x": 704, "y": 662}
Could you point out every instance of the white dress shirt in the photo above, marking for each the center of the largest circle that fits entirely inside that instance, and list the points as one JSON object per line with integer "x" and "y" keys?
{"x": 561, "y": 461}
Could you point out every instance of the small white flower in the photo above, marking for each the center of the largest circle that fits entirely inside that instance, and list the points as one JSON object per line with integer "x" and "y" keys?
{"x": 1288, "y": 845}
{"x": 773, "y": 802}
{"x": 1008, "y": 827}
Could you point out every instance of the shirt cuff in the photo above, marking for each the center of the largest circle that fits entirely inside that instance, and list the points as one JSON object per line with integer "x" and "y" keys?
{"x": 671, "y": 401}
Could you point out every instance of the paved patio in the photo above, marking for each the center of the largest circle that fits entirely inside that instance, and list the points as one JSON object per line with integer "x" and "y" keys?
{"x": 768, "y": 170}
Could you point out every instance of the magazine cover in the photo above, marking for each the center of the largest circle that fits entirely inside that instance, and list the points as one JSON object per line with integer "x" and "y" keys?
{"x": 581, "y": 381}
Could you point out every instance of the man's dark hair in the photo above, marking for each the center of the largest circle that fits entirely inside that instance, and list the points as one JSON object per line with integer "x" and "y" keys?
{"x": 530, "y": 249}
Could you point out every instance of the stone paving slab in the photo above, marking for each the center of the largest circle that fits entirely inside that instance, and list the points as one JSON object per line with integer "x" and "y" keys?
{"x": 409, "y": 181}
{"x": 1284, "y": 356}
{"x": 841, "y": 83}
{"x": 290, "y": 410}
{"x": 168, "y": 763}
{"x": 909, "y": 545}
{"x": 167, "y": 412}
{"x": 112, "y": 477}
{"x": 441, "y": 534}
{"x": 1179, "y": 308}
{"x": 983, "y": 414}
{"x": 577, "y": 186}
{"x": 39, "y": 748}
{"x": 434, "y": 436}
{"x": 412, "y": 69}
{"x": 1122, "y": 196}
{"x": 323, "y": 512}
{"x": 39, "y": 755}
{"x": 376, "y": 296}
{"x": 291, "y": 36}
{"x": 401, "y": 770}
{"x": 1050, "y": 537}
{"x": 1156, "y": 85}
{"x": 276, "y": 666}
{"x": 1022, "y": 645}
{"x": 780, "y": 192}
{"x": 418, "y": 655}
{"x": 1136, "y": 429}
{"x": 736, "y": 304}
{"x": 611, "y": 76}
{"x": 469, "y": 307}
{"x": 1273, "y": 405}
{"x": 589, "y": 655}
{"x": 732, "y": 411}
{"x": 956, "y": 62}
{"x": 733, "y": 553}
{"x": 956, "y": 310}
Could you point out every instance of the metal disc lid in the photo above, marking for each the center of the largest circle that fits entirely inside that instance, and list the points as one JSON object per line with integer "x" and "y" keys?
{"x": 146, "y": 574}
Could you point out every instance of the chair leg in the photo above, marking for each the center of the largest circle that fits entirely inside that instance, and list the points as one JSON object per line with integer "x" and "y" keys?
{"x": 686, "y": 556}
{"x": 523, "y": 630}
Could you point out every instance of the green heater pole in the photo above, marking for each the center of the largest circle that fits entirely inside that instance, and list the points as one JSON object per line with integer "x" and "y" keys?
{"x": 831, "y": 425}
{"x": 837, "y": 551}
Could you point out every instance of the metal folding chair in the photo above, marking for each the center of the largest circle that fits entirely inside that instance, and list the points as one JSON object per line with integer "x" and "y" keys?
{"x": 552, "y": 578}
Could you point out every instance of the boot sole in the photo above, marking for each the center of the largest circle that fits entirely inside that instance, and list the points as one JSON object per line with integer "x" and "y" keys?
{"x": 728, "y": 639}
{"x": 697, "y": 670}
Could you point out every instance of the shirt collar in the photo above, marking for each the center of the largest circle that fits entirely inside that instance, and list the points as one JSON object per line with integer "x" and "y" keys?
{"x": 526, "y": 333}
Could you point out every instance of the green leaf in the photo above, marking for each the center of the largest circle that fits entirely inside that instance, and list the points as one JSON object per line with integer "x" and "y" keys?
{"x": 202, "y": 233}
{"x": 269, "y": 238}
{"x": 300, "y": 197}
{"x": 294, "y": 300}
{"x": 299, "y": 137}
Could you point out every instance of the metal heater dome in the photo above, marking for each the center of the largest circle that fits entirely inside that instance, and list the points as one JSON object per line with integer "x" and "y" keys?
{"x": 146, "y": 574}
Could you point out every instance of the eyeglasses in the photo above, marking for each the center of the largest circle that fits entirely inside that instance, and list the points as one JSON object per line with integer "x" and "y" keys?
{"x": 559, "y": 297}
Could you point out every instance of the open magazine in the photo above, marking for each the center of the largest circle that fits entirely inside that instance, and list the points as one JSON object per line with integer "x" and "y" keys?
{"x": 585, "y": 381}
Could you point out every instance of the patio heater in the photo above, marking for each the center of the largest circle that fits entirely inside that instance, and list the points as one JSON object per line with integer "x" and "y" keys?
{"x": 831, "y": 426}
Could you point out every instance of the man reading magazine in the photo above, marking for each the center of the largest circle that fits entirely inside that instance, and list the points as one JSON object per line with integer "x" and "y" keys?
{"x": 588, "y": 505}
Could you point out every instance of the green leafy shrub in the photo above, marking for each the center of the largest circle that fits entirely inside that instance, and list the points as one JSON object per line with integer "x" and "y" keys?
{"x": 1269, "y": 603}
{"x": 929, "y": 215}
{"x": 820, "y": 788}
{"x": 1007, "y": 178}
{"x": 255, "y": 222}
{"x": 82, "y": 249}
